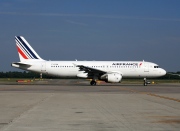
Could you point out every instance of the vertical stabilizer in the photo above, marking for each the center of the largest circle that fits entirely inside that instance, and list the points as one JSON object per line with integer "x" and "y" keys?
{"x": 25, "y": 51}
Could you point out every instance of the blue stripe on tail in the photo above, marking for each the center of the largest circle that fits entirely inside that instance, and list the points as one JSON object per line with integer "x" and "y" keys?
{"x": 24, "y": 48}
{"x": 24, "y": 44}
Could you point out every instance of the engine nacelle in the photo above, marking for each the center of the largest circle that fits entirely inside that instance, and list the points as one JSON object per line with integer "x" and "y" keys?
{"x": 112, "y": 78}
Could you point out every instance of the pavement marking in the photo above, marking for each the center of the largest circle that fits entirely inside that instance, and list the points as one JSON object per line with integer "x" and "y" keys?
{"x": 150, "y": 94}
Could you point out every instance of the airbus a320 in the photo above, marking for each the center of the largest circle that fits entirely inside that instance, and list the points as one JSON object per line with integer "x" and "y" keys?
{"x": 108, "y": 71}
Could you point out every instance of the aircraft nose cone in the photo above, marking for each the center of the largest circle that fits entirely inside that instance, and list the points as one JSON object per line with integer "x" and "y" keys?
{"x": 163, "y": 72}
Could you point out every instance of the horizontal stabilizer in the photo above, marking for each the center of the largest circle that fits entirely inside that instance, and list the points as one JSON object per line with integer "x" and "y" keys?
{"x": 18, "y": 64}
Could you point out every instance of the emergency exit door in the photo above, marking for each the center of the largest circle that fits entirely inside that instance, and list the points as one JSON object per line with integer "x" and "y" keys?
{"x": 146, "y": 67}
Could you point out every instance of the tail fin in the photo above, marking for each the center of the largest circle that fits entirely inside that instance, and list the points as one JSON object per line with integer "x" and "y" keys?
{"x": 25, "y": 51}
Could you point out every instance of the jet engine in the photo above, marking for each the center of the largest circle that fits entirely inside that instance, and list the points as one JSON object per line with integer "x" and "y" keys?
{"x": 112, "y": 78}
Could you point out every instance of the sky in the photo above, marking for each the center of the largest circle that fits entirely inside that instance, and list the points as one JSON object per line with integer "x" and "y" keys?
{"x": 110, "y": 30}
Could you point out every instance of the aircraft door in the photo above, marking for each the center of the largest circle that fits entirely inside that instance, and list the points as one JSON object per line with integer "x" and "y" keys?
{"x": 146, "y": 67}
{"x": 43, "y": 67}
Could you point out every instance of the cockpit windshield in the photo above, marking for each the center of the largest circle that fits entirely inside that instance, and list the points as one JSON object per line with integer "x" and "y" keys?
{"x": 156, "y": 66}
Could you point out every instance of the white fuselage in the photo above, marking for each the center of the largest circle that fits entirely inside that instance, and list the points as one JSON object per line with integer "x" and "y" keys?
{"x": 128, "y": 69}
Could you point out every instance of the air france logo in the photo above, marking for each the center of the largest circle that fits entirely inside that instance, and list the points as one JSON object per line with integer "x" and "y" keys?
{"x": 140, "y": 64}
{"x": 126, "y": 64}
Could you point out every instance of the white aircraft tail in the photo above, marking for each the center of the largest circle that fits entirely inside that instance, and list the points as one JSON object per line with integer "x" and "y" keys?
{"x": 25, "y": 51}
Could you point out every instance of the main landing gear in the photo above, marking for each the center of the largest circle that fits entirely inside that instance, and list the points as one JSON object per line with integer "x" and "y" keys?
{"x": 93, "y": 82}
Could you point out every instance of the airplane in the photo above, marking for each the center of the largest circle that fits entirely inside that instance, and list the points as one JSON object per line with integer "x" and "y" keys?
{"x": 108, "y": 71}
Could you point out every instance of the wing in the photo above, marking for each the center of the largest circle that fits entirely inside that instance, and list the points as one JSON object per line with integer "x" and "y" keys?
{"x": 92, "y": 72}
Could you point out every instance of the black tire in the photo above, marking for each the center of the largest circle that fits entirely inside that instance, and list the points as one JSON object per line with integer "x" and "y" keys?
{"x": 93, "y": 83}
{"x": 145, "y": 84}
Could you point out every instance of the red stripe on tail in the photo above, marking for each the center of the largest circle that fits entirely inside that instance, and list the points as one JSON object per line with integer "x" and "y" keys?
{"x": 22, "y": 54}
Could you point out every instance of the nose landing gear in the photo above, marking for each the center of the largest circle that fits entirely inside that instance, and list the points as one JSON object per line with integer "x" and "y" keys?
{"x": 146, "y": 82}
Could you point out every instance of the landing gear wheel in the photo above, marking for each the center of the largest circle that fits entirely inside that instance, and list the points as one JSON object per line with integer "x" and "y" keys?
{"x": 93, "y": 82}
{"x": 146, "y": 82}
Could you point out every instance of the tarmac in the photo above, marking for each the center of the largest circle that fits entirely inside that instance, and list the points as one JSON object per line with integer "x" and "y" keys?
{"x": 68, "y": 105}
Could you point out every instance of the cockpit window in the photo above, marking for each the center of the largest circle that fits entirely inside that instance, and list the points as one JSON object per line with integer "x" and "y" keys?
{"x": 156, "y": 66}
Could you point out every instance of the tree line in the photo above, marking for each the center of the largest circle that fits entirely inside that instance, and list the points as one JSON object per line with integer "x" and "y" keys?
{"x": 33, "y": 75}
{"x": 25, "y": 74}
{"x": 16, "y": 74}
